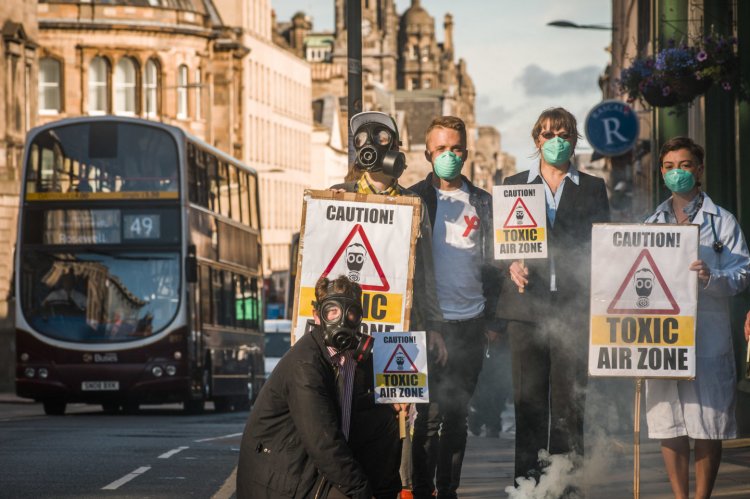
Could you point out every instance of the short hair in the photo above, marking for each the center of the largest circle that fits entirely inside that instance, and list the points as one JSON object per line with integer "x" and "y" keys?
{"x": 558, "y": 117}
{"x": 339, "y": 286}
{"x": 677, "y": 143}
{"x": 451, "y": 122}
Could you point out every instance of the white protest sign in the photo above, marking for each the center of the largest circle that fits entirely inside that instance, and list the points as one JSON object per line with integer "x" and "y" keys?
{"x": 520, "y": 221}
{"x": 643, "y": 300}
{"x": 369, "y": 242}
{"x": 400, "y": 367}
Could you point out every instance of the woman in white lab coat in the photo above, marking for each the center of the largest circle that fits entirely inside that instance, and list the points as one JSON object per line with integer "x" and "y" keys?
{"x": 702, "y": 409}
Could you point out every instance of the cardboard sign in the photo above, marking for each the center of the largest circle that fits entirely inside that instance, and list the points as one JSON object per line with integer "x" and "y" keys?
{"x": 400, "y": 368}
{"x": 368, "y": 238}
{"x": 520, "y": 220}
{"x": 643, "y": 300}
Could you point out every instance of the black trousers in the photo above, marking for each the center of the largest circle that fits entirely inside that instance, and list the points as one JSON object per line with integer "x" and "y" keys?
{"x": 549, "y": 383}
{"x": 440, "y": 427}
{"x": 374, "y": 437}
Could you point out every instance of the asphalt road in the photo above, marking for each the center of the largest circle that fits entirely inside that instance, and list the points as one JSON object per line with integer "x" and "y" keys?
{"x": 157, "y": 453}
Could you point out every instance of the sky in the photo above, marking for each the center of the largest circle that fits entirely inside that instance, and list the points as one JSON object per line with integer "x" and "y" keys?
{"x": 520, "y": 66}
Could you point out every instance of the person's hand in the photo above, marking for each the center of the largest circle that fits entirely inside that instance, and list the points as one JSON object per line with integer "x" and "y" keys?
{"x": 747, "y": 327}
{"x": 519, "y": 274}
{"x": 400, "y": 407}
{"x": 492, "y": 336}
{"x": 337, "y": 191}
{"x": 436, "y": 345}
{"x": 704, "y": 273}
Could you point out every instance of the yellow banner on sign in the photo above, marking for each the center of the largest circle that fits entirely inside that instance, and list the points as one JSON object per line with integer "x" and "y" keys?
{"x": 519, "y": 235}
{"x": 643, "y": 330}
{"x": 376, "y": 307}
{"x": 401, "y": 379}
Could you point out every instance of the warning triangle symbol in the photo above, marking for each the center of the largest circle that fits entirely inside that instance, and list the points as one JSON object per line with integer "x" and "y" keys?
{"x": 519, "y": 217}
{"x": 639, "y": 293}
{"x": 400, "y": 363}
{"x": 358, "y": 257}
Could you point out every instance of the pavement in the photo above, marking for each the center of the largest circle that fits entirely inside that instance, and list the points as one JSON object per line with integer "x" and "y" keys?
{"x": 608, "y": 471}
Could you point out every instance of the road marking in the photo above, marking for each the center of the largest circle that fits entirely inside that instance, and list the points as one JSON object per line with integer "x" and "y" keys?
{"x": 171, "y": 453}
{"x": 226, "y": 490}
{"x": 118, "y": 483}
{"x": 219, "y": 438}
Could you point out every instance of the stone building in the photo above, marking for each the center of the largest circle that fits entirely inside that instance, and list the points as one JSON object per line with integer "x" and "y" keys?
{"x": 165, "y": 60}
{"x": 18, "y": 110}
{"x": 278, "y": 129}
{"x": 405, "y": 70}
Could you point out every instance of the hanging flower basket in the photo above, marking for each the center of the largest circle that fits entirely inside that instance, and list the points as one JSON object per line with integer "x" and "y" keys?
{"x": 678, "y": 74}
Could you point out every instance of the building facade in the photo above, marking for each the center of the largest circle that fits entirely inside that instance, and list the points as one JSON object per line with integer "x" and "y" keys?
{"x": 278, "y": 128}
{"x": 18, "y": 111}
{"x": 174, "y": 62}
{"x": 406, "y": 70}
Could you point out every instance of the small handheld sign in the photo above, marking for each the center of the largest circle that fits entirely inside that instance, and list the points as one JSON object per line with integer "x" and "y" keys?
{"x": 643, "y": 300}
{"x": 520, "y": 221}
{"x": 400, "y": 367}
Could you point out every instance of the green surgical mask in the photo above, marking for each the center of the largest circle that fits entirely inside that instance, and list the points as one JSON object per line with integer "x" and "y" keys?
{"x": 448, "y": 165}
{"x": 557, "y": 151}
{"x": 679, "y": 180}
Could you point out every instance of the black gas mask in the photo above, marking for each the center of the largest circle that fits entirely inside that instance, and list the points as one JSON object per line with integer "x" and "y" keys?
{"x": 340, "y": 317}
{"x": 374, "y": 144}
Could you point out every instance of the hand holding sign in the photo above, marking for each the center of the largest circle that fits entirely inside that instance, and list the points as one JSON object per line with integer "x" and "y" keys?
{"x": 519, "y": 274}
{"x": 704, "y": 273}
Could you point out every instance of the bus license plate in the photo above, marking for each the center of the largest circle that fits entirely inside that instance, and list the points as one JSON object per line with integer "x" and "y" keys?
{"x": 100, "y": 386}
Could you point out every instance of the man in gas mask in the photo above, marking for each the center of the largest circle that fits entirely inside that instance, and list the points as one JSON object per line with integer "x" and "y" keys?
{"x": 296, "y": 441}
{"x": 376, "y": 170}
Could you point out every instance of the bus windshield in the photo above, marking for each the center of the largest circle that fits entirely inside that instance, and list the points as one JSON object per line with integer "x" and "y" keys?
{"x": 99, "y": 297}
{"x": 101, "y": 159}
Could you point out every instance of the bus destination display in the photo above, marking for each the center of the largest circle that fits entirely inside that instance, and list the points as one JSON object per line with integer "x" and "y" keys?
{"x": 98, "y": 226}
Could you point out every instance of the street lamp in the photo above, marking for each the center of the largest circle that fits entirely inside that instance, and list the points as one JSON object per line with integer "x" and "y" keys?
{"x": 570, "y": 24}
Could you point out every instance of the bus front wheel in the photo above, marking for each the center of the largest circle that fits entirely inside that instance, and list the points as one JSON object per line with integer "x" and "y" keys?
{"x": 54, "y": 407}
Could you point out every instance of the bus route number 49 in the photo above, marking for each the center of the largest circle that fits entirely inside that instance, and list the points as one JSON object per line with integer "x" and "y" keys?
{"x": 141, "y": 226}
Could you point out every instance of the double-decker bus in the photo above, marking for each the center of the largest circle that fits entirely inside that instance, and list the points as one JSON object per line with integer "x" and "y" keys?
{"x": 138, "y": 269}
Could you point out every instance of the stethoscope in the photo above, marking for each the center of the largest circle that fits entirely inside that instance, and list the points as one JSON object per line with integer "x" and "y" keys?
{"x": 718, "y": 245}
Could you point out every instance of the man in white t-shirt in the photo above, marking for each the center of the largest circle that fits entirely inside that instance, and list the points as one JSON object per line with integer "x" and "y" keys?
{"x": 468, "y": 286}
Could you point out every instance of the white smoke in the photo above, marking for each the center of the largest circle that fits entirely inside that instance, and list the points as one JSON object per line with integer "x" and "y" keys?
{"x": 558, "y": 476}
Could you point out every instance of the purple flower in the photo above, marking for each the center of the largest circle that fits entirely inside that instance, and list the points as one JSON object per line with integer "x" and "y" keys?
{"x": 666, "y": 91}
{"x": 702, "y": 56}
{"x": 726, "y": 86}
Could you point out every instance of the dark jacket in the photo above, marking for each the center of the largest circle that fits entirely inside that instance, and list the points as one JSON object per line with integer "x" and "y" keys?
{"x": 293, "y": 436}
{"x": 481, "y": 200}
{"x": 569, "y": 243}
{"x": 426, "y": 312}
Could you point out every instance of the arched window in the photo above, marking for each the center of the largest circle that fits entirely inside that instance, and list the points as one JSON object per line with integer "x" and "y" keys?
{"x": 49, "y": 85}
{"x": 125, "y": 81}
{"x": 151, "y": 89}
{"x": 182, "y": 92}
{"x": 98, "y": 85}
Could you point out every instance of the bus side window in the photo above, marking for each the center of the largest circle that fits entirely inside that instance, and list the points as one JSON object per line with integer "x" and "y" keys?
{"x": 205, "y": 296}
{"x": 244, "y": 199}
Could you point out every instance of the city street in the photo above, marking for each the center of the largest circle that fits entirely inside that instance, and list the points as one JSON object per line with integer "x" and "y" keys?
{"x": 159, "y": 452}
{"x": 162, "y": 453}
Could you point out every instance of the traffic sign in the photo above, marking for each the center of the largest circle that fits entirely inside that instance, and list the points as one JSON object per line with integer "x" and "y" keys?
{"x": 612, "y": 128}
